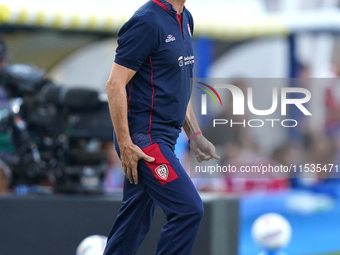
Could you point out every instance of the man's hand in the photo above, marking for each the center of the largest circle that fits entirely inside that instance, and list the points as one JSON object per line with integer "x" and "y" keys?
{"x": 130, "y": 155}
{"x": 203, "y": 149}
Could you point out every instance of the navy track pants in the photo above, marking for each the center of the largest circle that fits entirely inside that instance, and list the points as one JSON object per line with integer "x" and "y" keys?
{"x": 163, "y": 182}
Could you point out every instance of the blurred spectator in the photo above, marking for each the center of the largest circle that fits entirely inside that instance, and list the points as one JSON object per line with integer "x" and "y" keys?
{"x": 320, "y": 149}
{"x": 114, "y": 175}
{"x": 332, "y": 123}
{"x": 304, "y": 71}
{"x": 303, "y": 81}
{"x": 5, "y": 143}
{"x": 4, "y": 59}
{"x": 5, "y": 178}
{"x": 291, "y": 153}
{"x": 333, "y": 107}
{"x": 4, "y": 54}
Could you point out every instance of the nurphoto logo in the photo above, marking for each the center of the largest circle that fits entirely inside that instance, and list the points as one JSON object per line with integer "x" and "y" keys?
{"x": 240, "y": 102}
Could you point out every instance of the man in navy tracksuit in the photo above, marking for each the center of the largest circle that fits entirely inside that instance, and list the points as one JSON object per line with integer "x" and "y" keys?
{"x": 149, "y": 92}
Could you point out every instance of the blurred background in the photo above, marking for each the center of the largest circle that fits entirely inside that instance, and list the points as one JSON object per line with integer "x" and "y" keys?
{"x": 56, "y": 150}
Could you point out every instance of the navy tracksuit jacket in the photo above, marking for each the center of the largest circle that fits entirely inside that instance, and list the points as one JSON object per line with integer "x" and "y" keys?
{"x": 156, "y": 42}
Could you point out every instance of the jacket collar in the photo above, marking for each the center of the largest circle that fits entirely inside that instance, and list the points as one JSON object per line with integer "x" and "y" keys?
{"x": 166, "y": 6}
